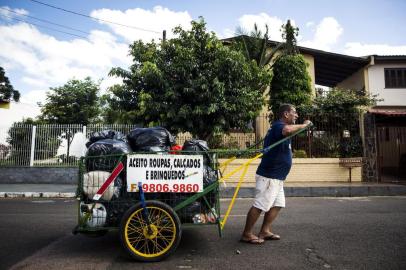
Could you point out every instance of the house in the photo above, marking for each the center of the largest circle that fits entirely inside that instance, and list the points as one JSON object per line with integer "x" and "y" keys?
{"x": 383, "y": 127}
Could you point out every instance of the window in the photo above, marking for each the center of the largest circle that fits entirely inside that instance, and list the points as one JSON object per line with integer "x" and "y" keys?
{"x": 395, "y": 77}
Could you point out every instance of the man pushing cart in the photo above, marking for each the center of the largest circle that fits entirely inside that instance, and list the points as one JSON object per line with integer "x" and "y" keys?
{"x": 149, "y": 196}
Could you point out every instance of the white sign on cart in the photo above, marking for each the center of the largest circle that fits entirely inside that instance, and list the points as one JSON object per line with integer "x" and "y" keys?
{"x": 165, "y": 173}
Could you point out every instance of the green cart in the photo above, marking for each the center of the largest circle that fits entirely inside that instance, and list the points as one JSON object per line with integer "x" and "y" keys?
{"x": 149, "y": 215}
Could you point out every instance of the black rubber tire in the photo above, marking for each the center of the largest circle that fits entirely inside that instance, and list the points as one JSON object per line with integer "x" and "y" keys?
{"x": 166, "y": 231}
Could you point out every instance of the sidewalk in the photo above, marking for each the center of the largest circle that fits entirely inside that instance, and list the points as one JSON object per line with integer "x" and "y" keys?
{"x": 309, "y": 189}
{"x": 37, "y": 191}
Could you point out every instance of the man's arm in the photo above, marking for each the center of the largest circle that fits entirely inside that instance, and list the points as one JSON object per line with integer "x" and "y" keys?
{"x": 290, "y": 129}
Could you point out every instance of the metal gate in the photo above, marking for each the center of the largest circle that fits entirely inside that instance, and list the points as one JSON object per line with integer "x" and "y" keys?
{"x": 391, "y": 153}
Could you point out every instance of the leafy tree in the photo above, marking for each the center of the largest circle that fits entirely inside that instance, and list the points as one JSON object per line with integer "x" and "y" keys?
{"x": 4, "y": 151}
{"x": 254, "y": 45}
{"x": 189, "y": 83}
{"x": 291, "y": 82}
{"x": 341, "y": 102}
{"x": 76, "y": 102}
{"x": 340, "y": 108}
{"x": 7, "y": 91}
{"x": 289, "y": 34}
{"x": 19, "y": 138}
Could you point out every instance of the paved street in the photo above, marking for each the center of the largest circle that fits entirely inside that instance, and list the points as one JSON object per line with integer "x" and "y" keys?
{"x": 317, "y": 233}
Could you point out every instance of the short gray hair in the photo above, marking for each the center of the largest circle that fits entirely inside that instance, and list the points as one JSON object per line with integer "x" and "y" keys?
{"x": 284, "y": 108}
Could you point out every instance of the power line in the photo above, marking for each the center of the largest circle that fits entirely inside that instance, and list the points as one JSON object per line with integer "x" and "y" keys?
{"x": 94, "y": 18}
{"x": 46, "y": 27}
{"x": 46, "y": 21}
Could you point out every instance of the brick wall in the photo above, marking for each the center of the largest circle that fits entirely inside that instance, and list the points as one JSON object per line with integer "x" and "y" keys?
{"x": 303, "y": 170}
{"x": 38, "y": 175}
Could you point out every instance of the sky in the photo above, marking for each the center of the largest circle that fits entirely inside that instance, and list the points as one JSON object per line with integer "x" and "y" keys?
{"x": 43, "y": 47}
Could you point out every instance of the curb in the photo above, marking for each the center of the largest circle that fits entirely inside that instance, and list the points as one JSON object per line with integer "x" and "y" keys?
{"x": 355, "y": 191}
{"x": 37, "y": 194}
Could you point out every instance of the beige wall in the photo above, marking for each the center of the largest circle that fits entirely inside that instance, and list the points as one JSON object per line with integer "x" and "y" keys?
{"x": 310, "y": 69}
{"x": 262, "y": 124}
{"x": 231, "y": 140}
{"x": 391, "y": 97}
{"x": 355, "y": 81}
{"x": 303, "y": 170}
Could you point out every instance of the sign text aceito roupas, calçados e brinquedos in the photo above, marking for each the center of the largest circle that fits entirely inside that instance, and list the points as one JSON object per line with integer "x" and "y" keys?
{"x": 165, "y": 173}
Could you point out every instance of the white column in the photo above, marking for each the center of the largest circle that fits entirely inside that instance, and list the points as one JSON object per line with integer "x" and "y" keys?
{"x": 34, "y": 130}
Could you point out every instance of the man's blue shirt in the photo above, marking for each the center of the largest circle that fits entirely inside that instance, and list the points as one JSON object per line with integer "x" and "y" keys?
{"x": 276, "y": 163}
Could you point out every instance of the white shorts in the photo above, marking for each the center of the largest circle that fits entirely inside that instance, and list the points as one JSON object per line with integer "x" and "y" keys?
{"x": 268, "y": 193}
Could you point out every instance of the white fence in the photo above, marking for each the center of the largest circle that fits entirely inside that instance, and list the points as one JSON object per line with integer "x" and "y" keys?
{"x": 63, "y": 145}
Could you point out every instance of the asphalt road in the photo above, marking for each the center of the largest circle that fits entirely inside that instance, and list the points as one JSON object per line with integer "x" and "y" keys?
{"x": 317, "y": 233}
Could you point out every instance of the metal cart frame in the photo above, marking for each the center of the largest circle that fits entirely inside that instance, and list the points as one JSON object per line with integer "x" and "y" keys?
{"x": 150, "y": 224}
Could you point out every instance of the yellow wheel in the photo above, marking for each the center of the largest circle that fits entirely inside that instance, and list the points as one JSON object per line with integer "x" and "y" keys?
{"x": 155, "y": 241}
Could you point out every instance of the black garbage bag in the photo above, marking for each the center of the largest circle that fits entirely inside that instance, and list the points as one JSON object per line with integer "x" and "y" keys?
{"x": 99, "y": 154}
{"x": 155, "y": 139}
{"x": 195, "y": 212}
{"x": 187, "y": 213}
{"x": 195, "y": 145}
{"x": 105, "y": 134}
{"x": 118, "y": 188}
{"x": 209, "y": 175}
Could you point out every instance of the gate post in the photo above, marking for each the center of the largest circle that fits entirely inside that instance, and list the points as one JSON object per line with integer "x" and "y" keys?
{"x": 34, "y": 131}
{"x": 370, "y": 168}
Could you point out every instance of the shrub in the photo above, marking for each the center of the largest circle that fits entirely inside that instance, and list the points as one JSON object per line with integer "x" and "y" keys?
{"x": 299, "y": 153}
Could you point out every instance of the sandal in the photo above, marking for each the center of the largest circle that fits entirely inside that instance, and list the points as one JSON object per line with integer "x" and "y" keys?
{"x": 253, "y": 241}
{"x": 272, "y": 237}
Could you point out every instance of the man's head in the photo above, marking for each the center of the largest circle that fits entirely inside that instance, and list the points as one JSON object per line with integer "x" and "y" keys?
{"x": 287, "y": 113}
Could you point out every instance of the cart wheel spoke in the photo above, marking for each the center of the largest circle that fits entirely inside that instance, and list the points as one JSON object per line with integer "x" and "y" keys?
{"x": 166, "y": 228}
{"x": 163, "y": 238}
{"x": 134, "y": 241}
{"x": 144, "y": 246}
{"x": 151, "y": 214}
{"x": 140, "y": 220}
{"x": 154, "y": 241}
{"x": 134, "y": 229}
{"x": 155, "y": 245}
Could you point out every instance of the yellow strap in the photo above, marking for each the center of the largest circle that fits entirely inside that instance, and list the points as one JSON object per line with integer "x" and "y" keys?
{"x": 230, "y": 206}
{"x": 224, "y": 166}
{"x": 239, "y": 168}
